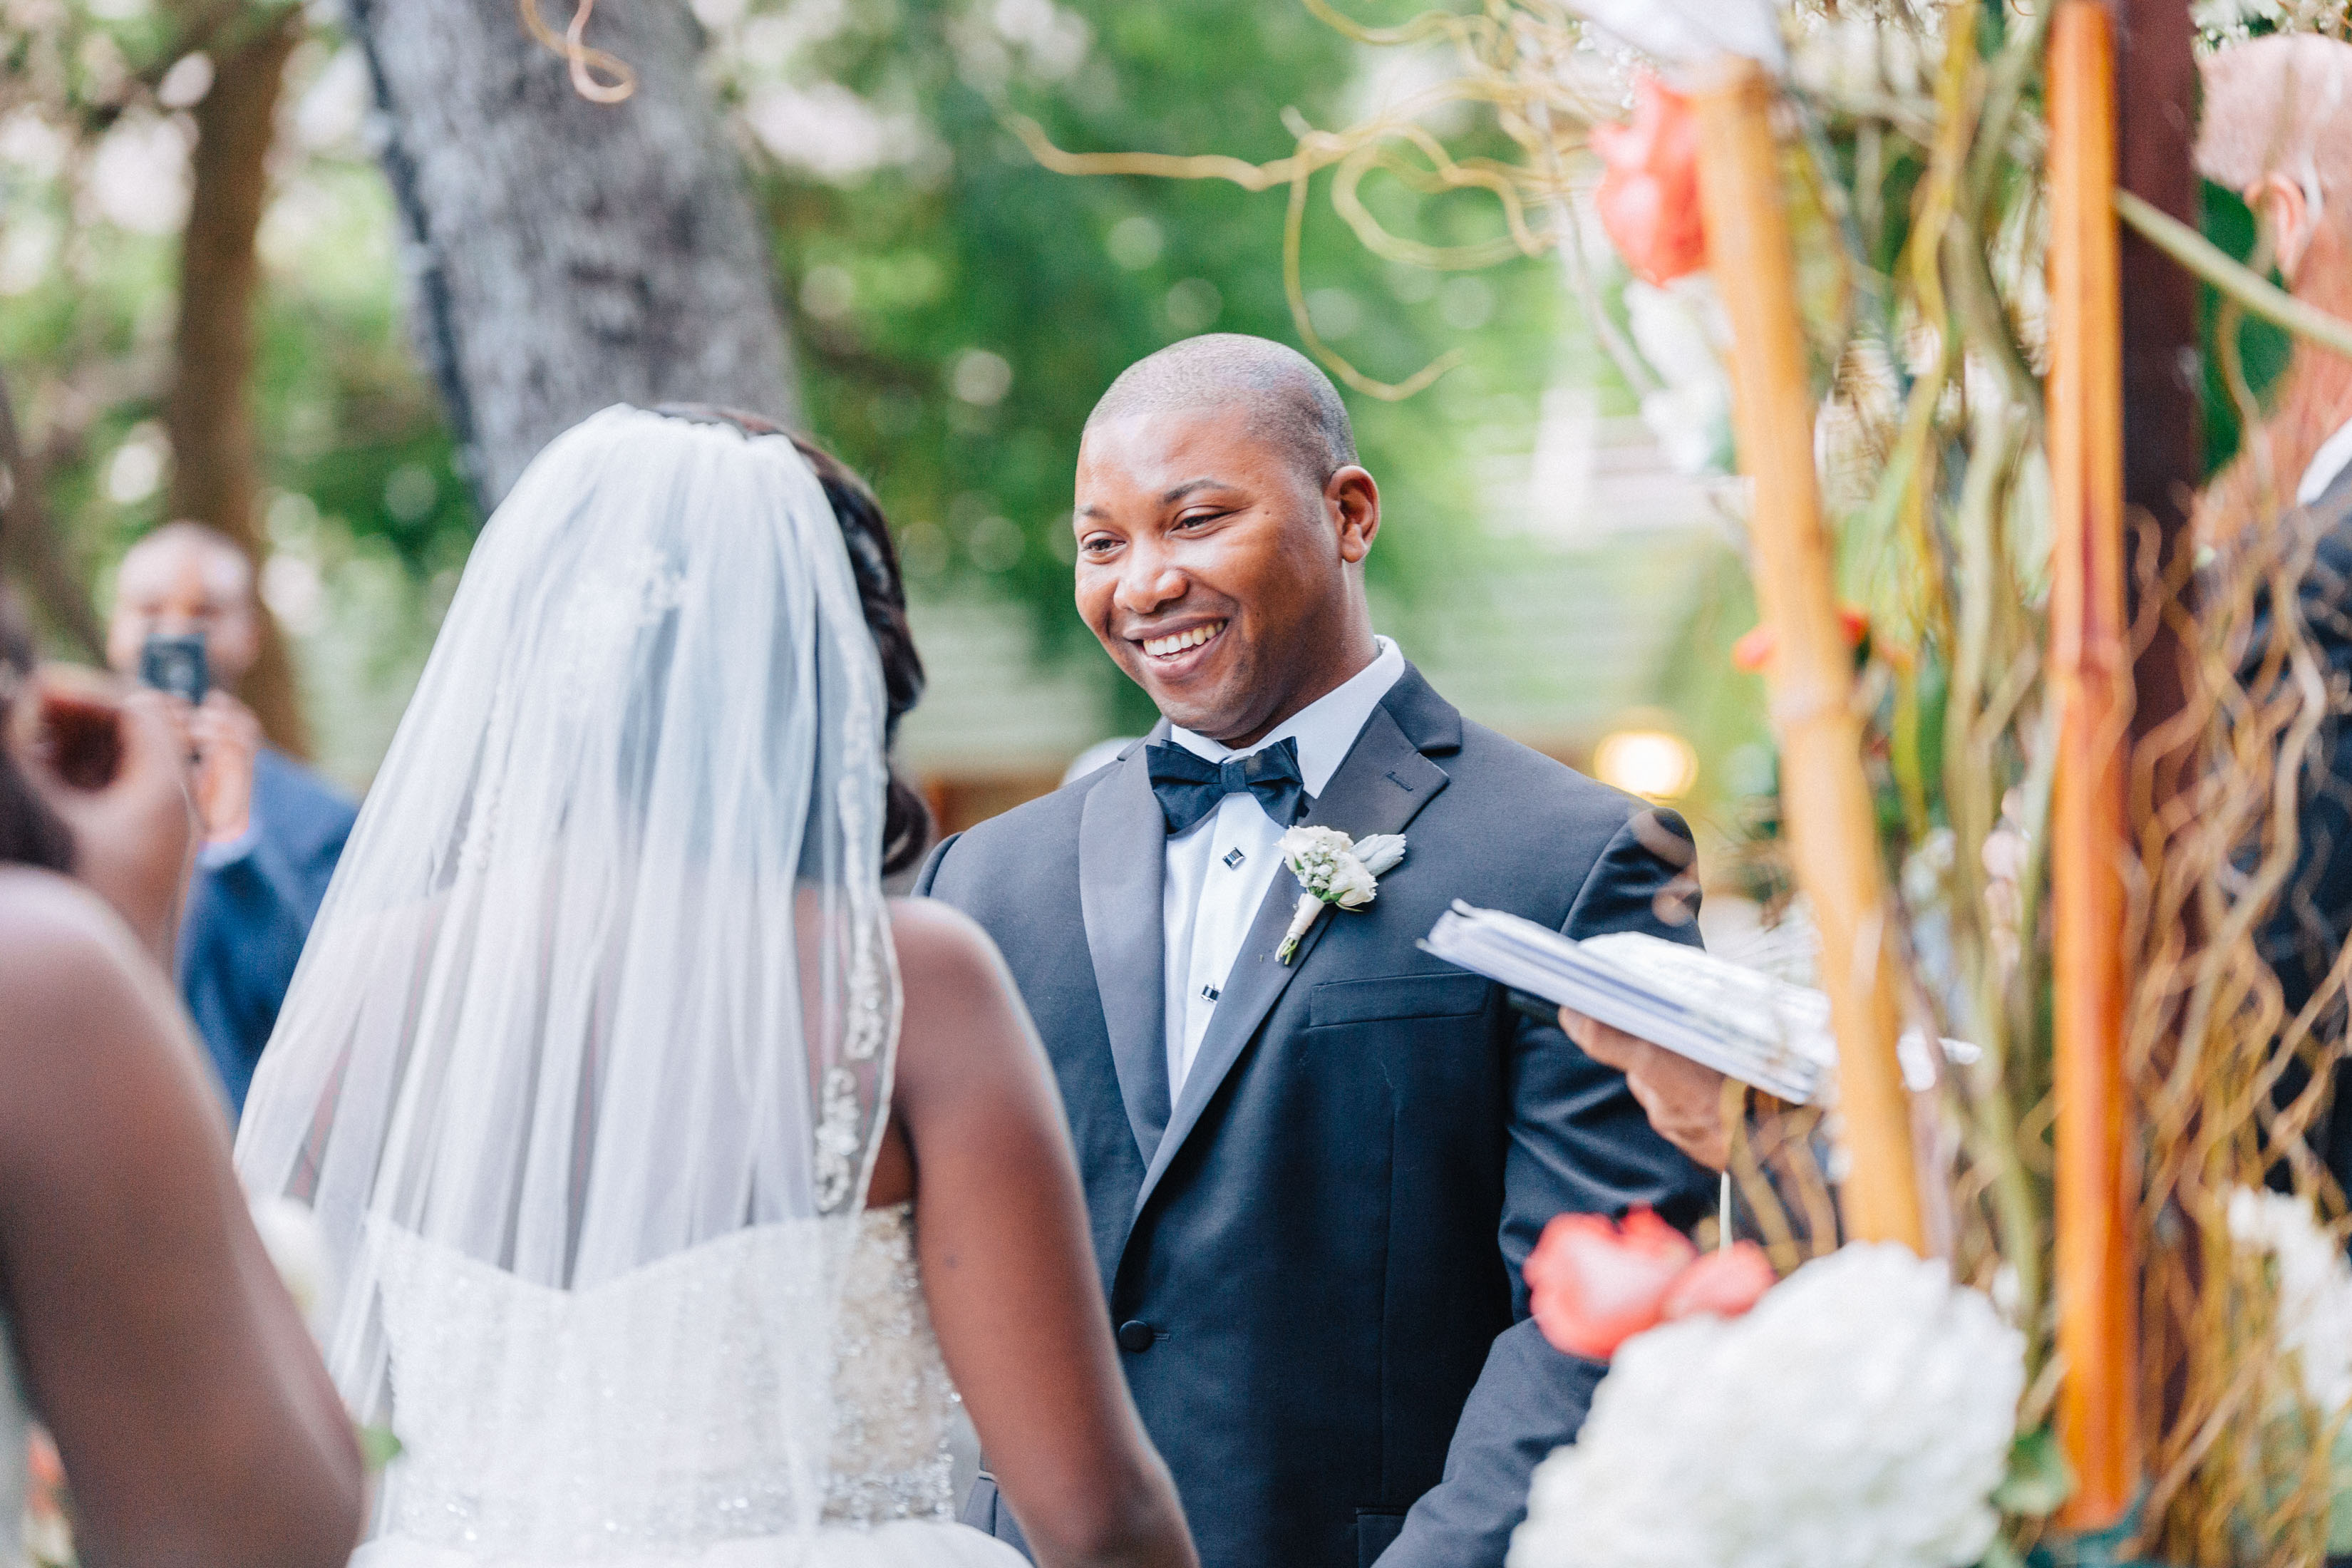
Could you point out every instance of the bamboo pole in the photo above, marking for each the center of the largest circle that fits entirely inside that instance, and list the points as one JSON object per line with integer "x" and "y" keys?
{"x": 1825, "y": 799}
{"x": 2091, "y": 676}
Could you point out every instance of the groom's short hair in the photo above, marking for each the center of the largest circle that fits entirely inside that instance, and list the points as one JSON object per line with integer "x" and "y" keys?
{"x": 1298, "y": 407}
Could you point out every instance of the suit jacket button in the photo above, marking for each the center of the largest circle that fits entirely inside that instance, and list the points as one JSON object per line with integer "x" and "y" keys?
{"x": 1136, "y": 1335}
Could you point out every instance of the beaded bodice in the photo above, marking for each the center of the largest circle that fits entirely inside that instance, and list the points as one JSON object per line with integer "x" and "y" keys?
{"x": 891, "y": 1393}
{"x": 680, "y": 1404}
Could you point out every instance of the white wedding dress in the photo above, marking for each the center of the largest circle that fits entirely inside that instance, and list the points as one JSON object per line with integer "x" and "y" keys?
{"x": 588, "y": 1059}
{"x": 547, "y": 1428}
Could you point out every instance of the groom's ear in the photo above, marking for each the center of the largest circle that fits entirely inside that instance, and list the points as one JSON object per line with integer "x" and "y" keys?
{"x": 1351, "y": 498}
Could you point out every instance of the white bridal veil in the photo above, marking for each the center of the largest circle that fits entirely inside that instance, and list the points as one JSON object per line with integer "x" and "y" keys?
{"x": 585, "y": 1064}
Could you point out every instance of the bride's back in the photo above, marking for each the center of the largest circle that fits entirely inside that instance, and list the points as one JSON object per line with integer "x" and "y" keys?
{"x": 591, "y": 1055}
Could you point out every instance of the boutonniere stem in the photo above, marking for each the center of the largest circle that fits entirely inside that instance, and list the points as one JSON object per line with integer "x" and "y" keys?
{"x": 1335, "y": 869}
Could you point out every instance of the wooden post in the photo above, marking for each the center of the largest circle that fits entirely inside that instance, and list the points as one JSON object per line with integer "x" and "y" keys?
{"x": 1825, "y": 799}
{"x": 2091, "y": 682}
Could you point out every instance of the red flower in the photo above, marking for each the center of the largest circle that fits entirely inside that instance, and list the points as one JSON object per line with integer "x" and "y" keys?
{"x": 1754, "y": 651}
{"x": 1594, "y": 1285}
{"x": 1722, "y": 1284}
{"x": 1648, "y": 199}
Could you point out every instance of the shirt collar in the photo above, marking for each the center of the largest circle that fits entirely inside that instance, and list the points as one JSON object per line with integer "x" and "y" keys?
{"x": 1326, "y": 728}
{"x": 2333, "y": 455}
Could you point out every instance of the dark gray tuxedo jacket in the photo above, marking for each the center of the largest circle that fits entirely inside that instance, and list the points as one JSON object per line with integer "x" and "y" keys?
{"x": 1313, "y": 1254}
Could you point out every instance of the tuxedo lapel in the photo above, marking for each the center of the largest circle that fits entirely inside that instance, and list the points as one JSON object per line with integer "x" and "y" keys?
{"x": 1380, "y": 787}
{"x": 1122, "y": 852}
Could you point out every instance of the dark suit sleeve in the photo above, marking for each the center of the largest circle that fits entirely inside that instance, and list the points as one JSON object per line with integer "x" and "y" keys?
{"x": 1529, "y": 1400}
{"x": 1579, "y": 1142}
{"x": 2304, "y": 935}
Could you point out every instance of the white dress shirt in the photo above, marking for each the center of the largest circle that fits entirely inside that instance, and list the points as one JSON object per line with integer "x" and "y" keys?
{"x": 2326, "y": 464}
{"x": 1218, "y": 870}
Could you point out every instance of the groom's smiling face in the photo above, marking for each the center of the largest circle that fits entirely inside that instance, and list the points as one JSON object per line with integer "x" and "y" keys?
{"x": 1215, "y": 569}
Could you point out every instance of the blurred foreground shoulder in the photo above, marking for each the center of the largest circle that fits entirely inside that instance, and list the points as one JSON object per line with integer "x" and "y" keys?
{"x": 64, "y": 954}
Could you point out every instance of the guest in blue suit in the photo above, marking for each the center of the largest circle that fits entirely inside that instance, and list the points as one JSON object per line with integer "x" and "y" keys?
{"x": 272, "y": 829}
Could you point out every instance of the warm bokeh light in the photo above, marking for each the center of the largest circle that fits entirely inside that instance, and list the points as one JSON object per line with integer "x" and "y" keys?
{"x": 1652, "y": 764}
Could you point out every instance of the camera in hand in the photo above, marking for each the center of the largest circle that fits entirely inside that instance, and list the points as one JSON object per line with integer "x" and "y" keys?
{"x": 176, "y": 665}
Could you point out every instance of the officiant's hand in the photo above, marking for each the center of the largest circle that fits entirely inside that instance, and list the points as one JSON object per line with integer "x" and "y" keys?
{"x": 1684, "y": 1099}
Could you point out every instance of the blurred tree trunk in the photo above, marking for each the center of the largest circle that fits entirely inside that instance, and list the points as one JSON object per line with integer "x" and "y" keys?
{"x": 570, "y": 254}
{"x": 30, "y": 550}
{"x": 216, "y": 459}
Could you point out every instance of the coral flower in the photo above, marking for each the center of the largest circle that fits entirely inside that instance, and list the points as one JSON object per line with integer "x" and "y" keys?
{"x": 46, "y": 1475}
{"x": 1754, "y": 651}
{"x": 1648, "y": 199}
{"x": 1722, "y": 1284}
{"x": 1593, "y": 1284}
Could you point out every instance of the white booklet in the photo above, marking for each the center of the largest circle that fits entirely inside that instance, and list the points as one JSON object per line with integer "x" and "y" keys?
{"x": 1744, "y": 1024}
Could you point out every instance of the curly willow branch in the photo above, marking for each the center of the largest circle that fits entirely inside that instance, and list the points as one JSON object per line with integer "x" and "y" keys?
{"x": 2215, "y": 266}
{"x": 584, "y": 61}
{"x": 1316, "y": 150}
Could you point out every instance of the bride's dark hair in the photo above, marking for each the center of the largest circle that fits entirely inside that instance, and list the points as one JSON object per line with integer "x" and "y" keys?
{"x": 881, "y": 593}
{"x": 30, "y": 833}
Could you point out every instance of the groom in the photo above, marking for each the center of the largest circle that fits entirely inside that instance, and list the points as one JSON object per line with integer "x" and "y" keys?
{"x": 1312, "y": 1184}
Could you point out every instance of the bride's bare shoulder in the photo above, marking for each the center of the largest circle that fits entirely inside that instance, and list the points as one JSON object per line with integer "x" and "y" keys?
{"x": 953, "y": 975}
{"x": 941, "y": 940}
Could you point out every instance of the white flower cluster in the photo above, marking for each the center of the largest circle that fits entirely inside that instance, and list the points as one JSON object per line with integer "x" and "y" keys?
{"x": 297, "y": 1250}
{"x": 1335, "y": 868}
{"x": 1859, "y": 1417}
{"x": 2314, "y": 1290}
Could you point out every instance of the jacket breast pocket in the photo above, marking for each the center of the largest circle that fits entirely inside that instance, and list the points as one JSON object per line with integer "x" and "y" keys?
{"x": 1397, "y": 996}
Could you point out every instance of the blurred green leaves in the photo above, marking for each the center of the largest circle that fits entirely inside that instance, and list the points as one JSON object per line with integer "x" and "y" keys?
{"x": 956, "y": 308}
{"x": 959, "y": 310}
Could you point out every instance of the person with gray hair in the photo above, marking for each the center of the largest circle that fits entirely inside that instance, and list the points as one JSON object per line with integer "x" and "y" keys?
{"x": 2277, "y": 129}
{"x": 272, "y": 829}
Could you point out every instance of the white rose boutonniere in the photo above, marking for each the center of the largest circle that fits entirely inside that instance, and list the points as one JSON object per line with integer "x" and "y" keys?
{"x": 1334, "y": 870}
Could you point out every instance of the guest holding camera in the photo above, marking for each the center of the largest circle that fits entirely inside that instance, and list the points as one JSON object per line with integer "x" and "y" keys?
{"x": 150, "y": 1331}
{"x": 186, "y": 621}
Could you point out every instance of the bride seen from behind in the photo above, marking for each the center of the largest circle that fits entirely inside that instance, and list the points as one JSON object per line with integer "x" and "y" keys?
{"x": 677, "y": 1180}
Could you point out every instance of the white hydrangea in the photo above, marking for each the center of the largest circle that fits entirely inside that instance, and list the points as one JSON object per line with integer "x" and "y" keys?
{"x": 2314, "y": 1290}
{"x": 1859, "y": 1417}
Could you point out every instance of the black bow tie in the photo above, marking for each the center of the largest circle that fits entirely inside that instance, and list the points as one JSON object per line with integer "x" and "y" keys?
{"x": 1189, "y": 786}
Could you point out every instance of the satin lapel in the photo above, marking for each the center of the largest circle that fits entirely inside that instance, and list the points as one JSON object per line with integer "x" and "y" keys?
{"x": 1380, "y": 788}
{"x": 1122, "y": 850}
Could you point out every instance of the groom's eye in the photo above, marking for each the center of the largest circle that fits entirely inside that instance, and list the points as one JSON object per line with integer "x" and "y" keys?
{"x": 1099, "y": 544}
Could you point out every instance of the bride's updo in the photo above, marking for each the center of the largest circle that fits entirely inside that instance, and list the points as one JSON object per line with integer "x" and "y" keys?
{"x": 881, "y": 593}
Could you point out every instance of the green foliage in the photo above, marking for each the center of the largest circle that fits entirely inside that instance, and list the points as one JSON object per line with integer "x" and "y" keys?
{"x": 972, "y": 248}
{"x": 2263, "y": 348}
{"x": 378, "y": 1447}
{"x": 2039, "y": 1478}
{"x": 952, "y": 243}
